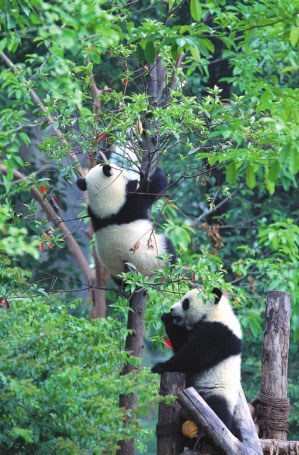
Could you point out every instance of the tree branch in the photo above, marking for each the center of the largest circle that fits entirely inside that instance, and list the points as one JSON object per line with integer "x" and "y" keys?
{"x": 58, "y": 222}
{"x": 37, "y": 101}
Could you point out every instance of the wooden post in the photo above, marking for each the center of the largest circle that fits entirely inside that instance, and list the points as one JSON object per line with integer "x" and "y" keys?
{"x": 170, "y": 440}
{"x": 272, "y": 404}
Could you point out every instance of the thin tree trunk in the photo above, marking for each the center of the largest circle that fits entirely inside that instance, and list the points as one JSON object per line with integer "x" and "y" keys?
{"x": 134, "y": 345}
{"x": 150, "y": 157}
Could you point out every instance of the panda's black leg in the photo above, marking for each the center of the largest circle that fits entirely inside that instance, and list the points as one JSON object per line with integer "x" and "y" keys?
{"x": 220, "y": 407}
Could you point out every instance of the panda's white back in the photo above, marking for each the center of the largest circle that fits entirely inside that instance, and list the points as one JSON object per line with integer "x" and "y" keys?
{"x": 223, "y": 379}
{"x": 134, "y": 242}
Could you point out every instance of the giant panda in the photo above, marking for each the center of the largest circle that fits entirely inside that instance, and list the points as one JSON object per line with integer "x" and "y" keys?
{"x": 119, "y": 208}
{"x": 206, "y": 337}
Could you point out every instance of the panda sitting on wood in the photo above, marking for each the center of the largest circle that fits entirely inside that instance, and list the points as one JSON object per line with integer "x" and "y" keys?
{"x": 206, "y": 338}
{"x": 119, "y": 208}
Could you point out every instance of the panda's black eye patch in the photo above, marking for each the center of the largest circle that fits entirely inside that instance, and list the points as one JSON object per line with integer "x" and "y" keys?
{"x": 185, "y": 304}
{"x": 107, "y": 170}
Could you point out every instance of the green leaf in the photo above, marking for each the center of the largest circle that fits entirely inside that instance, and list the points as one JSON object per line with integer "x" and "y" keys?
{"x": 196, "y": 10}
{"x": 250, "y": 177}
{"x": 68, "y": 39}
{"x": 231, "y": 173}
{"x": 150, "y": 52}
{"x": 294, "y": 160}
{"x": 195, "y": 53}
{"x": 139, "y": 53}
{"x": 273, "y": 171}
{"x": 294, "y": 35}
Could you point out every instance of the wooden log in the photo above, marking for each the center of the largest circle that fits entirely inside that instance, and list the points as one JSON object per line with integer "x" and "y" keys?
{"x": 246, "y": 424}
{"x": 215, "y": 429}
{"x": 280, "y": 447}
{"x": 272, "y": 404}
{"x": 170, "y": 440}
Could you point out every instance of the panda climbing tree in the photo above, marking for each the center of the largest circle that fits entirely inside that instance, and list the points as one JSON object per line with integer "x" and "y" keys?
{"x": 119, "y": 208}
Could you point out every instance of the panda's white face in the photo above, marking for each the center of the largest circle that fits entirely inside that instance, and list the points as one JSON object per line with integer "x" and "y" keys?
{"x": 106, "y": 186}
{"x": 191, "y": 309}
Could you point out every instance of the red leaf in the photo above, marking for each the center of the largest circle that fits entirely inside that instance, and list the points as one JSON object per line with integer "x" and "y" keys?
{"x": 101, "y": 137}
{"x": 125, "y": 82}
{"x": 56, "y": 200}
{"x": 162, "y": 279}
{"x": 50, "y": 246}
{"x": 6, "y": 304}
{"x": 167, "y": 343}
{"x": 44, "y": 189}
{"x": 41, "y": 246}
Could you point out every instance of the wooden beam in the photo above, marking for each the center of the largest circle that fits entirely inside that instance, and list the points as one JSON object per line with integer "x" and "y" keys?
{"x": 215, "y": 429}
{"x": 277, "y": 447}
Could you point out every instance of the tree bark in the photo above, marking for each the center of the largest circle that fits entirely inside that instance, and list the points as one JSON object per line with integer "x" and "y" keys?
{"x": 99, "y": 308}
{"x": 170, "y": 440}
{"x": 150, "y": 157}
{"x": 272, "y": 405}
{"x": 215, "y": 429}
{"x": 134, "y": 345}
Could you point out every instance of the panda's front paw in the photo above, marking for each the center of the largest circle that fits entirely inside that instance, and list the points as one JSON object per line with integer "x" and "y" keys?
{"x": 158, "y": 368}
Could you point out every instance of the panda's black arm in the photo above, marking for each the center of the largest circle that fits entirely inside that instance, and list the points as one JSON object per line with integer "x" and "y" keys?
{"x": 207, "y": 345}
{"x": 177, "y": 335}
{"x": 156, "y": 186}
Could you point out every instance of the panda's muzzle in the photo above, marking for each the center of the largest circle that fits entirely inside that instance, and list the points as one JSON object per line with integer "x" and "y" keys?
{"x": 170, "y": 317}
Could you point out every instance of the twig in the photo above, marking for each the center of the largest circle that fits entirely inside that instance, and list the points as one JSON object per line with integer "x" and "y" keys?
{"x": 37, "y": 101}
{"x": 53, "y": 217}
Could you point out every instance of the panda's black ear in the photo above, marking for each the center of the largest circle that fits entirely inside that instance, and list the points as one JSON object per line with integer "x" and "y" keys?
{"x": 185, "y": 304}
{"x": 218, "y": 294}
{"x": 81, "y": 183}
{"x": 107, "y": 170}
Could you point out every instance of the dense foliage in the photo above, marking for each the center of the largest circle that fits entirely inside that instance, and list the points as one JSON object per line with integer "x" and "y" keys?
{"x": 73, "y": 83}
{"x": 60, "y": 381}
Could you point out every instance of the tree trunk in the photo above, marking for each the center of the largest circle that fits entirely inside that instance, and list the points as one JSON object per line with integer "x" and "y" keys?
{"x": 99, "y": 308}
{"x": 272, "y": 404}
{"x": 170, "y": 440}
{"x": 134, "y": 345}
{"x": 150, "y": 157}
